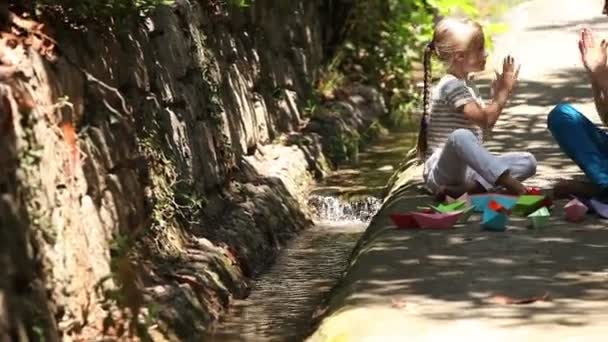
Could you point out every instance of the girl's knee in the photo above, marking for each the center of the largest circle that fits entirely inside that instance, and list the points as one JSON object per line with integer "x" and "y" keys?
{"x": 460, "y": 135}
{"x": 563, "y": 113}
{"x": 531, "y": 164}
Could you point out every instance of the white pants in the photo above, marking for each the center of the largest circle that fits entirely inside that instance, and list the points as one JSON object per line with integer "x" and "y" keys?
{"x": 463, "y": 161}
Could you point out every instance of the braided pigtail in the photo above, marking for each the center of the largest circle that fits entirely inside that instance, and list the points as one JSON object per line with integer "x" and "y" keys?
{"x": 422, "y": 144}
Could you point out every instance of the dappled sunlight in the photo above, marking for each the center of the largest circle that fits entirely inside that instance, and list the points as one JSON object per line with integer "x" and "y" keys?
{"x": 453, "y": 275}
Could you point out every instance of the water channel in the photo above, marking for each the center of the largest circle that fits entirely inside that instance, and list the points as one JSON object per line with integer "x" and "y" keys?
{"x": 284, "y": 298}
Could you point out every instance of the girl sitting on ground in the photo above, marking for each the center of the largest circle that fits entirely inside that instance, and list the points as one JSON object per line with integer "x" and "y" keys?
{"x": 450, "y": 138}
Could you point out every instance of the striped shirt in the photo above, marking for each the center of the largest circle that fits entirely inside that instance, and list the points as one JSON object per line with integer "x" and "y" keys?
{"x": 447, "y": 99}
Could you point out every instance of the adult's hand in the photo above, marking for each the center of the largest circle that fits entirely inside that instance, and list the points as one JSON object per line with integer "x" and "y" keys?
{"x": 593, "y": 55}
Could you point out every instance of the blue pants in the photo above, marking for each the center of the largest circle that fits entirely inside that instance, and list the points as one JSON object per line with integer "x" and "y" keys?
{"x": 584, "y": 142}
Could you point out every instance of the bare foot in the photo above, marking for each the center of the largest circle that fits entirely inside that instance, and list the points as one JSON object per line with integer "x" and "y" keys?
{"x": 564, "y": 189}
{"x": 476, "y": 189}
{"x": 512, "y": 185}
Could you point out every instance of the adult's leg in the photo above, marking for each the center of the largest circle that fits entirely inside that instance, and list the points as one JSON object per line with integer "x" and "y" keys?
{"x": 586, "y": 144}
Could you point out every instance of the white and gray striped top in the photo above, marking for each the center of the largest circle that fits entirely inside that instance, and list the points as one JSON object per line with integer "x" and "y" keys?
{"x": 447, "y": 98}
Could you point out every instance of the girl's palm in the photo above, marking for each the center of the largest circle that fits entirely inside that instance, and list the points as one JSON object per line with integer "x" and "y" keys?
{"x": 510, "y": 72}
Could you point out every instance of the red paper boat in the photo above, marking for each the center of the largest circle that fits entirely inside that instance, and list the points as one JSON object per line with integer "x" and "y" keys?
{"x": 533, "y": 191}
{"x": 575, "y": 210}
{"x": 404, "y": 221}
{"x": 437, "y": 220}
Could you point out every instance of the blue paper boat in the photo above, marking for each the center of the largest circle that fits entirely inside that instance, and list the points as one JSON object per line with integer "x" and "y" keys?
{"x": 494, "y": 221}
{"x": 479, "y": 202}
{"x": 508, "y": 202}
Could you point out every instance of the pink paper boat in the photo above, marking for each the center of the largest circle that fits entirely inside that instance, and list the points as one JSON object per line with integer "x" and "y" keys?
{"x": 437, "y": 220}
{"x": 575, "y": 210}
{"x": 404, "y": 221}
{"x": 600, "y": 208}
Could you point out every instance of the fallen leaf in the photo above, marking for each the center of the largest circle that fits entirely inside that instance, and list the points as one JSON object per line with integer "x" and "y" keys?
{"x": 506, "y": 300}
{"x": 398, "y": 303}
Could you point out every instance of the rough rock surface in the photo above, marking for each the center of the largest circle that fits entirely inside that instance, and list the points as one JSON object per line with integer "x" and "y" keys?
{"x": 160, "y": 168}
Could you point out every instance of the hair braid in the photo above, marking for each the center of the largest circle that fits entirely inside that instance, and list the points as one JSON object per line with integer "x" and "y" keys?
{"x": 422, "y": 143}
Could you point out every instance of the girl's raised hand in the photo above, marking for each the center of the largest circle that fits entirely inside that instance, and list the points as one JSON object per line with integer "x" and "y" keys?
{"x": 510, "y": 74}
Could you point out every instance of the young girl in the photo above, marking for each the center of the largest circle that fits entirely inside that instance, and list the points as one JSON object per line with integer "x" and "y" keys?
{"x": 450, "y": 139}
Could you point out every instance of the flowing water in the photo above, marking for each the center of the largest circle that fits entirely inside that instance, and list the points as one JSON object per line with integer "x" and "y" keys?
{"x": 283, "y": 299}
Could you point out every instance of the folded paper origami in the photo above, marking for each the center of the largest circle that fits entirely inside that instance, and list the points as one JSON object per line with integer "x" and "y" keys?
{"x": 426, "y": 209}
{"x": 437, "y": 220}
{"x": 494, "y": 217}
{"x": 539, "y": 218}
{"x": 480, "y": 201}
{"x": 450, "y": 207}
{"x": 575, "y": 210}
{"x": 507, "y": 201}
{"x": 404, "y": 221}
{"x": 528, "y": 204}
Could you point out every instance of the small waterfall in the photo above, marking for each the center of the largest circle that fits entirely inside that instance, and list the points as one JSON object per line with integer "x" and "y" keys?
{"x": 334, "y": 209}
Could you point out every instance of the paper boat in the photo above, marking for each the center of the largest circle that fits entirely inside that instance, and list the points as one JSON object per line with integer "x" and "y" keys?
{"x": 495, "y": 206}
{"x": 466, "y": 214}
{"x": 600, "y": 208}
{"x": 575, "y": 210}
{"x": 527, "y": 204}
{"x": 448, "y": 208}
{"x": 495, "y": 221}
{"x": 508, "y": 202}
{"x": 464, "y": 198}
{"x": 404, "y": 221}
{"x": 437, "y": 220}
{"x": 479, "y": 202}
{"x": 539, "y": 218}
{"x": 427, "y": 209}
{"x": 586, "y": 202}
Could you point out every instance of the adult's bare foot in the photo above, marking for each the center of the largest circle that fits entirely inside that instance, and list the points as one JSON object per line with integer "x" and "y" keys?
{"x": 567, "y": 188}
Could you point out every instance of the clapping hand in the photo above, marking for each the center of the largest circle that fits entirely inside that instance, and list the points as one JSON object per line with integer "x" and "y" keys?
{"x": 593, "y": 55}
{"x": 507, "y": 80}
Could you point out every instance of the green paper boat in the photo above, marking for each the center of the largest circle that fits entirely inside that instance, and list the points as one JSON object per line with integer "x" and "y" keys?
{"x": 539, "y": 218}
{"x": 527, "y": 204}
{"x": 450, "y": 207}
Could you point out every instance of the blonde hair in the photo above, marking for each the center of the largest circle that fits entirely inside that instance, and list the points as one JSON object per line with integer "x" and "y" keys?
{"x": 450, "y": 36}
